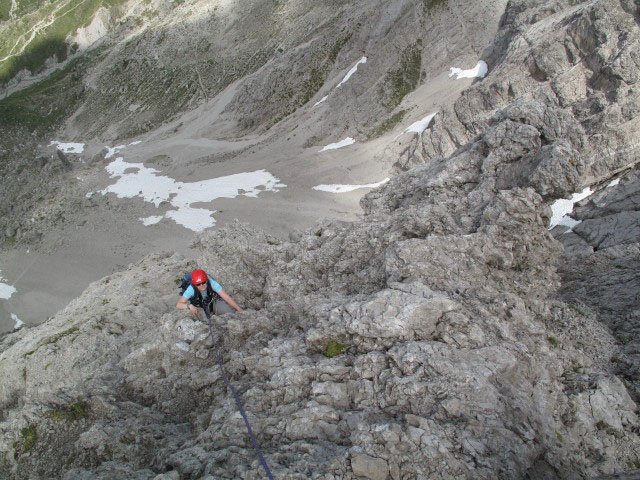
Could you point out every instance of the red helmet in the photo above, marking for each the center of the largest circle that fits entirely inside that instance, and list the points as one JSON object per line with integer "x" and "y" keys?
{"x": 198, "y": 276}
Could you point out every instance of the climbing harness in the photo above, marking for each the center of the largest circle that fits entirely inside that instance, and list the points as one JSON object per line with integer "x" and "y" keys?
{"x": 235, "y": 395}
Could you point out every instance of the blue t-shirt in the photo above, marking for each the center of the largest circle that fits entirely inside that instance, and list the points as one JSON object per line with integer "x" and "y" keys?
{"x": 189, "y": 292}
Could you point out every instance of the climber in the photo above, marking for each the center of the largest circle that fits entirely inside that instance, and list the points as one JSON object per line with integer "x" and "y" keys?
{"x": 199, "y": 289}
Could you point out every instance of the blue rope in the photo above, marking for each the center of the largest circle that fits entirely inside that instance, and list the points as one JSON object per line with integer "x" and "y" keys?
{"x": 235, "y": 395}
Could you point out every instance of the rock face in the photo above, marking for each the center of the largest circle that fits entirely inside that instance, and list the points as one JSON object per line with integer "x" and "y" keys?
{"x": 472, "y": 345}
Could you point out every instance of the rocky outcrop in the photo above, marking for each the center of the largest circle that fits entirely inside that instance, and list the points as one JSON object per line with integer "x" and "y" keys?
{"x": 438, "y": 337}
{"x": 600, "y": 266}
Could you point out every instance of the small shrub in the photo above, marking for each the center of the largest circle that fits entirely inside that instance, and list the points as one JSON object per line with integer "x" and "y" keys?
{"x": 312, "y": 141}
{"x": 30, "y": 437}
{"x": 553, "y": 341}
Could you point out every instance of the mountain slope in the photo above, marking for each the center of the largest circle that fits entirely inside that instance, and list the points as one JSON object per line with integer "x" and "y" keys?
{"x": 209, "y": 90}
{"x": 433, "y": 338}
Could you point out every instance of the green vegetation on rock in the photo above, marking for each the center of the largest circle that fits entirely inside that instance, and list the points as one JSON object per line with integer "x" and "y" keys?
{"x": 30, "y": 437}
{"x": 403, "y": 80}
{"x": 334, "y": 348}
{"x": 428, "y": 5}
{"x": 75, "y": 411}
{"x": 55, "y": 338}
{"x": 388, "y": 124}
{"x": 335, "y": 50}
{"x": 295, "y": 95}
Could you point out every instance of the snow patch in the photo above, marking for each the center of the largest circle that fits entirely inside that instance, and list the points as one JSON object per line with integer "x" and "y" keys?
{"x": 68, "y": 147}
{"x": 151, "y": 220}
{"x": 111, "y": 151}
{"x": 19, "y": 323}
{"x": 136, "y": 180}
{"x": 479, "y": 71}
{"x": 562, "y": 208}
{"x": 335, "y": 188}
{"x": 6, "y": 290}
{"x": 421, "y": 125}
{"x": 322, "y": 100}
{"x": 342, "y": 143}
{"x": 613, "y": 183}
{"x": 352, "y": 71}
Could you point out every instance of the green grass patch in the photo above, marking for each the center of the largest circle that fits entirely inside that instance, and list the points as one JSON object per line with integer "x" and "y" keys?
{"x": 403, "y": 80}
{"x": 334, "y": 348}
{"x": 29, "y": 437}
{"x": 553, "y": 341}
{"x": 76, "y": 411}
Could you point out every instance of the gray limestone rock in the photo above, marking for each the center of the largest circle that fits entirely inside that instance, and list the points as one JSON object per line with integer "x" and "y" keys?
{"x": 369, "y": 467}
{"x": 444, "y": 335}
